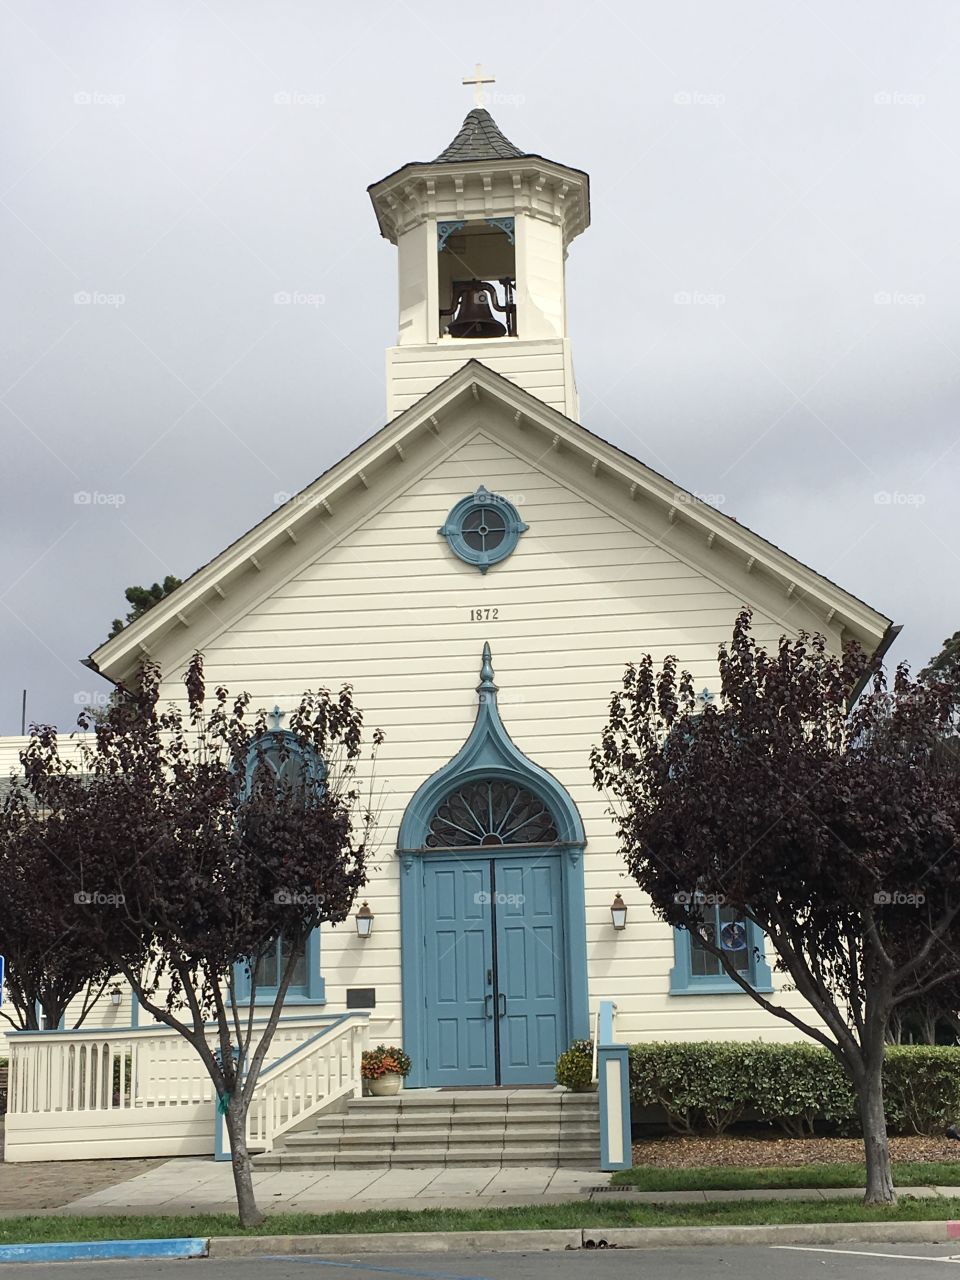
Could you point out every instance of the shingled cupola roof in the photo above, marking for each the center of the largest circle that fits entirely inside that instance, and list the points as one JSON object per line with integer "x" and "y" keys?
{"x": 479, "y": 139}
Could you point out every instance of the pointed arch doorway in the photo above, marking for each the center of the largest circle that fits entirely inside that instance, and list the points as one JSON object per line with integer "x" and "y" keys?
{"x": 493, "y": 930}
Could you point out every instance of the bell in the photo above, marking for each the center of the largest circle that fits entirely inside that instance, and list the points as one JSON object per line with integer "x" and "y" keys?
{"x": 474, "y": 319}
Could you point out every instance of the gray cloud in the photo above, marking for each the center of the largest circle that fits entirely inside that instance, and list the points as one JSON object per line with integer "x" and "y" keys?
{"x": 795, "y": 163}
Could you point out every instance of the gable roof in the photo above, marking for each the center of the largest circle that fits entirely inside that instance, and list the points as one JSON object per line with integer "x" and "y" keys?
{"x": 635, "y": 493}
{"x": 479, "y": 139}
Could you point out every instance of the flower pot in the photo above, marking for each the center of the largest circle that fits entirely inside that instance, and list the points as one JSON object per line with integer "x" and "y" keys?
{"x": 387, "y": 1085}
{"x": 591, "y": 1087}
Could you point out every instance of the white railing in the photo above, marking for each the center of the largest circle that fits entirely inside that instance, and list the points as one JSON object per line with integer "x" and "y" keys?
{"x": 100, "y": 1094}
{"x": 304, "y": 1080}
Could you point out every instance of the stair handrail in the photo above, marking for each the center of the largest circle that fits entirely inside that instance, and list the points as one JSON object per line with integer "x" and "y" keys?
{"x": 322, "y": 1069}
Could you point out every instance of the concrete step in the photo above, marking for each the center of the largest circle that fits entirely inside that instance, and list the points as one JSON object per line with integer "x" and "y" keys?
{"x": 544, "y": 1156}
{"x": 474, "y": 1099}
{"x": 468, "y": 1128}
{"x": 486, "y": 1116}
{"x": 399, "y": 1140}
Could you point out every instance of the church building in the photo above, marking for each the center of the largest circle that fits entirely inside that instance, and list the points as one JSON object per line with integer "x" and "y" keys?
{"x": 481, "y": 570}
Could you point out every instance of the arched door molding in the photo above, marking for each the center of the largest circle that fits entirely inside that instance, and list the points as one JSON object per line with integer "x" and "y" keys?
{"x": 531, "y": 815}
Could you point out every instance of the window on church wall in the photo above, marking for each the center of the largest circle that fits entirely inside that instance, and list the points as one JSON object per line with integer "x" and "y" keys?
{"x": 725, "y": 930}
{"x": 277, "y": 764}
{"x": 697, "y": 971}
{"x": 271, "y": 966}
{"x": 477, "y": 279}
{"x": 491, "y": 813}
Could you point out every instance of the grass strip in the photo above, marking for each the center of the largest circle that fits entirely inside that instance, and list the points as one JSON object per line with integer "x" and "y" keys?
{"x": 915, "y": 1173}
{"x": 39, "y": 1230}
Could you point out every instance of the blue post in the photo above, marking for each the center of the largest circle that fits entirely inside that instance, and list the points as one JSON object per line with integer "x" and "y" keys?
{"x": 613, "y": 1071}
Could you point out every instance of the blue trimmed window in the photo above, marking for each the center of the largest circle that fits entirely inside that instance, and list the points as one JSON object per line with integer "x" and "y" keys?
{"x": 696, "y": 971}
{"x": 306, "y": 984}
{"x": 483, "y": 529}
{"x": 278, "y": 759}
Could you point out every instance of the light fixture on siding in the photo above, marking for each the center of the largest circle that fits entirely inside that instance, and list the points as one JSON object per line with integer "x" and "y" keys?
{"x": 116, "y": 995}
{"x": 364, "y": 919}
{"x": 618, "y": 913}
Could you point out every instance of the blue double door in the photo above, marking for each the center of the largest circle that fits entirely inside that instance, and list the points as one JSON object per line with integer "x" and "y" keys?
{"x": 494, "y": 978}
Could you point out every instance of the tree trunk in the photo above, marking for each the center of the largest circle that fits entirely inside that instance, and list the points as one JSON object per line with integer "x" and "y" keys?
{"x": 235, "y": 1123}
{"x": 875, "y": 1144}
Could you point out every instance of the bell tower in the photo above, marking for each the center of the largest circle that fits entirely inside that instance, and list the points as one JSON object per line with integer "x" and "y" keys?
{"x": 482, "y": 234}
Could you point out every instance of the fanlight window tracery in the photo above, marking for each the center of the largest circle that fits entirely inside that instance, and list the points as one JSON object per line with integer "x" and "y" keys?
{"x": 491, "y": 812}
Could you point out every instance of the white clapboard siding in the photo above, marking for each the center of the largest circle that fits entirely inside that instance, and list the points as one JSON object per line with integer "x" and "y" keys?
{"x": 387, "y": 609}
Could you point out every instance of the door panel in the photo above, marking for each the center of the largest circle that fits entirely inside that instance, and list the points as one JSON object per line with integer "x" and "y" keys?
{"x": 530, "y": 970}
{"x": 459, "y": 953}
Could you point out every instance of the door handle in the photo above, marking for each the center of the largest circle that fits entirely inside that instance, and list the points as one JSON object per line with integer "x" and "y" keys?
{"x": 503, "y": 1007}
{"x": 488, "y": 1013}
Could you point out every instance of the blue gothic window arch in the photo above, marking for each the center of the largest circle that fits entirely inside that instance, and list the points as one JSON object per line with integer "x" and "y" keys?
{"x": 278, "y": 758}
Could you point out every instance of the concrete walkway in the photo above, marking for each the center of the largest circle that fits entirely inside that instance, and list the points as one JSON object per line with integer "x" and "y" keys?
{"x": 204, "y": 1186}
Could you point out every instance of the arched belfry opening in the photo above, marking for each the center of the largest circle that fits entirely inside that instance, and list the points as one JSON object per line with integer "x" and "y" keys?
{"x": 492, "y": 914}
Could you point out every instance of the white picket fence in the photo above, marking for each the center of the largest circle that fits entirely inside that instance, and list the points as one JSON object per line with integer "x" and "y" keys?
{"x": 76, "y": 1095}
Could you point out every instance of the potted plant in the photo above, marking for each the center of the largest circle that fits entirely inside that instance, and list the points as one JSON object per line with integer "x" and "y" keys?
{"x": 575, "y": 1067}
{"x": 384, "y": 1069}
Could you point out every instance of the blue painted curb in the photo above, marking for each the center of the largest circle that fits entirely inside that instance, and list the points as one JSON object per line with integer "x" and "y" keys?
{"x": 100, "y": 1250}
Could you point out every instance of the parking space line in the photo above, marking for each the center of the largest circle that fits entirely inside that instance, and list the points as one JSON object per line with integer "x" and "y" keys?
{"x": 866, "y": 1253}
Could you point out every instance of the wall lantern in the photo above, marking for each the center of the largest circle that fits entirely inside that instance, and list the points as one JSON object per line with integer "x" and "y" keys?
{"x": 618, "y": 913}
{"x": 116, "y": 995}
{"x": 364, "y": 918}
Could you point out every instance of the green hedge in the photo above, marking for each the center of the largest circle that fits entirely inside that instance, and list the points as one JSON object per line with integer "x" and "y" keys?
{"x": 710, "y": 1085}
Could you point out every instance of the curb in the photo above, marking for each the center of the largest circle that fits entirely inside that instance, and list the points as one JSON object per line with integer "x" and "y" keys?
{"x": 398, "y": 1242}
{"x": 104, "y": 1250}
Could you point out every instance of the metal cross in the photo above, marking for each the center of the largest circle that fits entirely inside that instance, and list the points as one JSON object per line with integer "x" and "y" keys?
{"x": 478, "y": 80}
{"x": 276, "y": 715}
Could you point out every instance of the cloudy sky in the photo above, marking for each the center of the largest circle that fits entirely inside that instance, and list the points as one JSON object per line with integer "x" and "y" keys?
{"x": 789, "y": 167}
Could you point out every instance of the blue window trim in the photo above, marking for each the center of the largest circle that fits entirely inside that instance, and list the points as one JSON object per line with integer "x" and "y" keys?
{"x": 452, "y": 529}
{"x": 313, "y": 990}
{"x": 684, "y": 982}
{"x": 489, "y": 752}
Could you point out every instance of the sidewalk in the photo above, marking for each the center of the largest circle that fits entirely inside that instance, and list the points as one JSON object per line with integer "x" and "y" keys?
{"x": 193, "y": 1185}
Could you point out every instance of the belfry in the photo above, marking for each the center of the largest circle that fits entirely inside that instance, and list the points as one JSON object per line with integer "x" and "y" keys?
{"x": 482, "y": 233}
